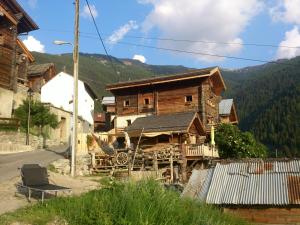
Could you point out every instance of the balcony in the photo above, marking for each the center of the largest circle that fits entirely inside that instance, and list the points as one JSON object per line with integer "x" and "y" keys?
{"x": 201, "y": 150}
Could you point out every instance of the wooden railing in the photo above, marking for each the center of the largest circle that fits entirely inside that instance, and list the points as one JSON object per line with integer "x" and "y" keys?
{"x": 201, "y": 150}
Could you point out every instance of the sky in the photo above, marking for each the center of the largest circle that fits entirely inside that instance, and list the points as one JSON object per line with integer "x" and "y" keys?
{"x": 209, "y": 29}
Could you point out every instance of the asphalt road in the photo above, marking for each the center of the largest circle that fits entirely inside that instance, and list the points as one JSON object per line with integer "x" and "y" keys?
{"x": 10, "y": 163}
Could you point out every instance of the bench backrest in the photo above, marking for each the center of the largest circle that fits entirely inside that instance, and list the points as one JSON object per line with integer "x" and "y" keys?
{"x": 34, "y": 175}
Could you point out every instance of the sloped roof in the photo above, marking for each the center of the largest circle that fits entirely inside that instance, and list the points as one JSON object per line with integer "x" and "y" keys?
{"x": 177, "y": 122}
{"x": 225, "y": 106}
{"x": 26, "y": 23}
{"x": 191, "y": 74}
{"x": 39, "y": 69}
{"x": 250, "y": 183}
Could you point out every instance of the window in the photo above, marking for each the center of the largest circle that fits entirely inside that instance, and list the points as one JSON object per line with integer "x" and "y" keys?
{"x": 126, "y": 103}
{"x": 128, "y": 122}
{"x": 188, "y": 98}
{"x": 146, "y": 101}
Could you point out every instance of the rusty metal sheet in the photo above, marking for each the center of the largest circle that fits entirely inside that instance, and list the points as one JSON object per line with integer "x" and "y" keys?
{"x": 252, "y": 183}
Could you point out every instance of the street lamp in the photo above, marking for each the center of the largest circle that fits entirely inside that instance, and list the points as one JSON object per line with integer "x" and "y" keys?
{"x": 59, "y": 42}
{"x": 75, "y": 105}
{"x": 29, "y": 96}
{"x": 75, "y": 74}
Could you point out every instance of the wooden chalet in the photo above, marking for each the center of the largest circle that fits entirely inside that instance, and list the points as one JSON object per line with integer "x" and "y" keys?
{"x": 227, "y": 111}
{"x": 194, "y": 91}
{"x": 39, "y": 74}
{"x": 167, "y": 121}
{"x": 14, "y": 55}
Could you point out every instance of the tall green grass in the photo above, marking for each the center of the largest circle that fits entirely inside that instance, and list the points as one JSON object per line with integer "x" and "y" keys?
{"x": 142, "y": 203}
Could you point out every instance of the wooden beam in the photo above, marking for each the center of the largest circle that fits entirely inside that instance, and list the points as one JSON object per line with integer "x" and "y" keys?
{"x": 8, "y": 16}
{"x": 25, "y": 49}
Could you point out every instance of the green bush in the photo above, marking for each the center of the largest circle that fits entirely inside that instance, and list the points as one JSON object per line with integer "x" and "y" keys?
{"x": 233, "y": 143}
{"x": 144, "y": 203}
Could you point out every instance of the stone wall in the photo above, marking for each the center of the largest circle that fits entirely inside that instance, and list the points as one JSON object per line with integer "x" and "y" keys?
{"x": 19, "y": 138}
{"x": 11, "y": 141}
{"x": 6, "y": 99}
{"x": 278, "y": 216}
{"x": 21, "y": 95}
{"x": 83, "y": 165}
{"x": 62, "y": 133}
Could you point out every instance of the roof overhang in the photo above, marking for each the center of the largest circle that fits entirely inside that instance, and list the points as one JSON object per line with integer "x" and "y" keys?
{"x": 90, "y": 90}
{"x": 167, "y": 129}
{"x": 18, "y": 16}
{"x": 214, "y": 73}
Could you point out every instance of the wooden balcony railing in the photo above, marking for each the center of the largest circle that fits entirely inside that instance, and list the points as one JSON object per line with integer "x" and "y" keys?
{"x": 201, "y": 150}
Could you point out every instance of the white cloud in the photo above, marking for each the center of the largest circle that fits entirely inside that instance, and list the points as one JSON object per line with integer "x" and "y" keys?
{"x": 122, "y": 31}
{"x": 86, "y": 12}
{"x": 206, "y": 20}
{"x": 140, "y": 58}
{"x": 287, "y": 11}
{"x": 292, "y": 39}
{"x": 33, "y": 44}
{"x": 32, "y": 3}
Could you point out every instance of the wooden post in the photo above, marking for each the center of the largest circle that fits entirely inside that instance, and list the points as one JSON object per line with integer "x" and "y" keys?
{"x": 155, "y": 164}
{"x": 130, "y": 166}
{"x": 171, "y": 166}
{"x": 156, "y": 102}
{"x": 75, "y": 94}
{"x": 93, "y": 159}
{"x": 14, "y": 66}
{"x": 184, "y": 163}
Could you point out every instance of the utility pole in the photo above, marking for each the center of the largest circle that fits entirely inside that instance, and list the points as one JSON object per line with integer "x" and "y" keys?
{"x": 75, "y": 94}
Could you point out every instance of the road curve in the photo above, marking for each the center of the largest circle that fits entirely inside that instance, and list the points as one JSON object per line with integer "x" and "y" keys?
{"x": 9, "y": 163}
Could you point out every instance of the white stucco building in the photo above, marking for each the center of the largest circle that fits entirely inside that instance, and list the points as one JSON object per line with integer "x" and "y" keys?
{"x": 59, "y": 92}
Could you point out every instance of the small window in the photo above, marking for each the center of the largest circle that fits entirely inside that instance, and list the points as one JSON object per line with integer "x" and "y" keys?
{"x": 126, "y": 103}
{"x": 188, "y": 98}
{"x": 146, "y": 101}
{"x": 128, "y": 122}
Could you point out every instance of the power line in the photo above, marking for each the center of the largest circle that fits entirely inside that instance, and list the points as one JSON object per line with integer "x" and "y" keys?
{"x": 92, "y": 35}
{"x": 197, "y": 53}
{"x": 99, "y": 35}
{"x": 204, "y": 53}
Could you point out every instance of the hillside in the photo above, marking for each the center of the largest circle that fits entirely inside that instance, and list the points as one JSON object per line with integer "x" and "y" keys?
{"x": 267, "y": 96}
{"x": 268, "y": 103}
{"x": 96, "y": 69}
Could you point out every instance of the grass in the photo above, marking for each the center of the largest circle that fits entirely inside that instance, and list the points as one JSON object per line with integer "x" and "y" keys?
{"x": 142, "y": 203}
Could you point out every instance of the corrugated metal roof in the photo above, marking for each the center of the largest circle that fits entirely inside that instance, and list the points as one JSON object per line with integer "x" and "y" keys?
{"x": 197, "y": 179}
{"x": 225, "y": 106}
{"x": 252, "y": 183}
{"x": 108, "y": 100}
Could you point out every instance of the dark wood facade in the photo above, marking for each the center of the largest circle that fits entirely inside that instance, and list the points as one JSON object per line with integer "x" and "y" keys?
{"x": 39, "y": 74}
{"x": 192, "y": 92}
{"x": 14, "y": 57}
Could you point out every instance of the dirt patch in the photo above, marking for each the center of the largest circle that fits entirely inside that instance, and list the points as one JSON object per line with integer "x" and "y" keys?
{"x": 11, "y": 200}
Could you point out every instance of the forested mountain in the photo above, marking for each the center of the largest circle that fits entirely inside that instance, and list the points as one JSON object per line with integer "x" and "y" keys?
{"x": 268, "y": 103}
{"x": 96, "y": 69}
{"x": 267, "y": 96}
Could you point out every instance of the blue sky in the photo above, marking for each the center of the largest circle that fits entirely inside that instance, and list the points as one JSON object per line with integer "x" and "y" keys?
{"x": 224, "y": 27}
